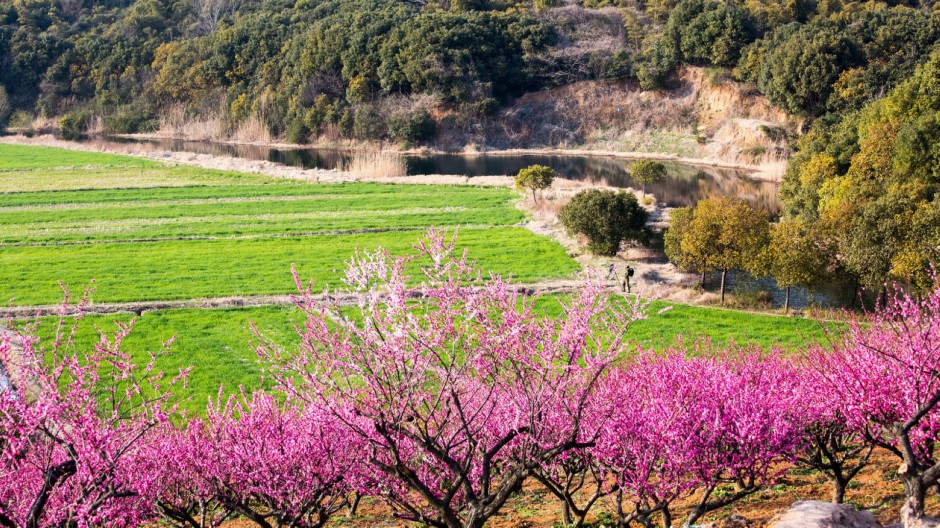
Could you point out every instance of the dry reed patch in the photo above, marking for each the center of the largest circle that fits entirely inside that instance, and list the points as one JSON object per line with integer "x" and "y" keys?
{"x": 252, "y": 130}
{"x": 374, "y": 165}
{"x": 176, "y": 122}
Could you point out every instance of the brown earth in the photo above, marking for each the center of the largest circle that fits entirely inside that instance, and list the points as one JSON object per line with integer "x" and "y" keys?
{"x": 876, "y": 489}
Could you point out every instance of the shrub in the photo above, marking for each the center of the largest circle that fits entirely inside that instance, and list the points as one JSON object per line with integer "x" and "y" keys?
{"x": 5, "y": 108}
{"x": 296, "y": 132}
{"x": 411, "y": 127}
{"x": 535, "y": 178}
{"x": 130, "y": 121}
{"x": 74, "y": 124}
{"x": 606, "y": 218}
{"x": 368, "y": 124}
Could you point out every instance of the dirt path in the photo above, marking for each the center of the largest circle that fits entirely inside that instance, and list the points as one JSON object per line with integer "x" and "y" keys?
{"x": 341, "y": 299}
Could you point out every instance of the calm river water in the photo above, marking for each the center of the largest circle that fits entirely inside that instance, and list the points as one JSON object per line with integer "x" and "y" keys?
{"x": 685, "y": 184}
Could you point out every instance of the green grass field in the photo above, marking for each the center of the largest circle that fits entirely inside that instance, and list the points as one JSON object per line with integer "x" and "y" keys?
{"x": 149, "y": 232}
{"x": 254, "y": 211}
{"x": 220, "y": 343}
{"x": 188, "y": 269}
{"x": 146, "y": 232}
{"x": 20, "y": 157}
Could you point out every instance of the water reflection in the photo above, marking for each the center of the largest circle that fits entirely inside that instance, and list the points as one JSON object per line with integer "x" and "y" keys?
{"x": 685, "y": 185}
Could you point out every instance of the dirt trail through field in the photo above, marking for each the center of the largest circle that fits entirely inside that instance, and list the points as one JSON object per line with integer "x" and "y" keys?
{"x": 337, "y": 298}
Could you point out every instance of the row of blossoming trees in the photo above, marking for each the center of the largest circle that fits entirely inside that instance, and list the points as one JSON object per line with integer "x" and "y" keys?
{"x": 445, "y": 398}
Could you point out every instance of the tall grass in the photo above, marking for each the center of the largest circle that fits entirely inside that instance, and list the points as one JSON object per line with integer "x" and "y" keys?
{"x": 251, "y": 130}
{"x": 372, "y": 164}
{"x": 176, "y": 122}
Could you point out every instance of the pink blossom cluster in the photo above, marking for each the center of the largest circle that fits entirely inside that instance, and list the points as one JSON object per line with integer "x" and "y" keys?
{"x": 445, "y": 394}
{"x": 72, "y": 426}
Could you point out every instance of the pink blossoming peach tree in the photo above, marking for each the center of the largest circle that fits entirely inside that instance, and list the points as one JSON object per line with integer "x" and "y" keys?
{"x": 72, "y": 424}
{"x": 457, "y": 398}
{"x": 442, "y": 391}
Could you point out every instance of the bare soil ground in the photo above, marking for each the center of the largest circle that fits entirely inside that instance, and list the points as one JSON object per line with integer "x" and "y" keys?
{"x": 876, "y": 489}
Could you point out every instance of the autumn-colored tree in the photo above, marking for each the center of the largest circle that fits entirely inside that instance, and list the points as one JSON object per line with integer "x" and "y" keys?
{"x": 794, "y": 256}
{"x": 645, "y": 172}
{"x": 535, "y": 178}
{"x": 719, "y": 234}
{"x": 679, "y": 221}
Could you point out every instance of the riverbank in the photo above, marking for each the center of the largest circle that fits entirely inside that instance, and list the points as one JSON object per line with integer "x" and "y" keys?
{"x": 770, "y": 172}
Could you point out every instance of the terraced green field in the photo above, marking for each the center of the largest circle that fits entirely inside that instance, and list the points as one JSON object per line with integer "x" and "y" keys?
{"x": 145, "y": 232}
{"x": 189, "y": 269}
{"x": 263, "y": 210}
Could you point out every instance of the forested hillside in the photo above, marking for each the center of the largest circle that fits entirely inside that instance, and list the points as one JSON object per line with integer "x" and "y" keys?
{"x": 398, "y": 70}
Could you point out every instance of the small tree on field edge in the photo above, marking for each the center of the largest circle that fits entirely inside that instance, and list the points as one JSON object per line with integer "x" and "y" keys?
{"x": 606, "y": 218}
{"x": 535, "y": 178}
{"x": 793, "y": 257}
{"x": 645, "y": 172}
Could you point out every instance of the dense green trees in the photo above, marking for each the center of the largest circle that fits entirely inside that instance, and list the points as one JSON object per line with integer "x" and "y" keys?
{"x": 801, "y": 66}
{"x": 306, "y": 68}
{"x": 605, "y": 218}
{"x": 869, "y": 184}
{"x": 840, "y": 62}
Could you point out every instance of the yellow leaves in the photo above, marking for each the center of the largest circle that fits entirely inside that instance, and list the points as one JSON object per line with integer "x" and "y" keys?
{"x": 909, "y": 264}
{"x": 834, "y": 194}
{"x": 724, "y": 233}
{"x": 241, "y": 106}
{"x": 162, "y": 54}
{"x": 818, "y": 170}
{"x": 873, "y": 161}
{"x": 851, "y": 85}
{"x": 793, "y": 255}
